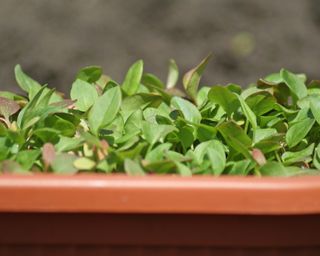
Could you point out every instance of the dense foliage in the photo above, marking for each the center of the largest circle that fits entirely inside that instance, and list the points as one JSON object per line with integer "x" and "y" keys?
{"x": 146, "y": 126}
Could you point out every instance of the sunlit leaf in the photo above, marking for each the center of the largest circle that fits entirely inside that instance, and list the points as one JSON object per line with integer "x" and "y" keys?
{"x": 173, "y": 74}
{"x": 105, "y": 109}
{"x": 132, "y": 80}
{"x": 191, "y": 79}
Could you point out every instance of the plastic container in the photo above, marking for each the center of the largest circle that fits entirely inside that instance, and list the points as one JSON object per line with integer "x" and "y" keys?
{"x": 159, "y": 215}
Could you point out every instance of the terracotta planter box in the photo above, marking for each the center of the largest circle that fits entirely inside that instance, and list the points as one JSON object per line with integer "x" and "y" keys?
{"x": 119, "y": 215}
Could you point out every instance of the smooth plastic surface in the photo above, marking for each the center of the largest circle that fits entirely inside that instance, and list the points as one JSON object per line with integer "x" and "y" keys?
{"x": 160, "y": 194}
{"x": 159, "y": 215}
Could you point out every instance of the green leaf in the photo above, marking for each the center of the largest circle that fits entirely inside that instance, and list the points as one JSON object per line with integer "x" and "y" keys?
{"x": 298, "y": 131}
{"x": 299, "y": 156}
{"x": 189, "y": 111}
{"x": 84, "y": 93}
{"x": 261, "y": 134}
{"x": 12, "y": 96}
{"x": 316, "y": 157}
{"x": 133, "y": 152}
{"x": 183, "y": 170}
{"x": 158, "y": 153}
{"x": 155, "y": 132}
{"x": 62, "y": 124}
{"x": 161, "y": 167}
{"x": 132, "y": 168}
{"x": 63, "y": 164}
{"x": 202, "y": 96}
{"x": 295, "y": 84}
{"x": 186, "y": 137}
{"x": 133, "y": 122}
{"x": 301, "y": 115}
{"x": 224, "y": 98}
{"x": 315, "y": 107}
{"x": 217, "y": 157}
{"x": 110, "y": 84}
{"x": 47, "y": 135}
{"x": 27, "y": 158}
{"x": 173, "y": 74}
{"x": 236, "y": 138}
{"x": 271, "y": 143}
{"x": 139, "y": 101}
{"x": 157, "y": 115}
{"x": 105, "y": 109}
{"x": 132, "y": 80}
{"x": 277, "y": 169}
{"x": 152, "y": 82}
{"x": 241, "y": 168}
{"x": 250, "y": 116}
{"x": 274, "y": 78}
{"x": 205, "y": 132}
{"x": 25, "y": 82}
{"x": 66, "y": 144}
{"x": 90, "y": 74}
{"x": 261, "y": 103}
{"x": 217, "y": 153}
{"x": 34, "y": 109}
{"x": 192, "y": 78}
{"x": 104, "y": 167}
{"x": 84, "y": 163}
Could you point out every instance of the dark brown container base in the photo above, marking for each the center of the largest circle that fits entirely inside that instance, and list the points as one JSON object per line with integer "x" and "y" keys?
{"x": 152, "y": 251}
{"x": 153, "y": 234}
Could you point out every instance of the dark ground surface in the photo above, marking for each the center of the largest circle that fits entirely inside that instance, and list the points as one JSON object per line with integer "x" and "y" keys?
{"x": 249, "y": 38}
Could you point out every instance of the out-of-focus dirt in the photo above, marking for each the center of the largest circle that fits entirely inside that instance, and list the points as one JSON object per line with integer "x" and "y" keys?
{"x": 53, "y": 39}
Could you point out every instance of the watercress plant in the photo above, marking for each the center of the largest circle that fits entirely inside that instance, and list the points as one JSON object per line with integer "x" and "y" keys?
{"x": 145, "y": 126}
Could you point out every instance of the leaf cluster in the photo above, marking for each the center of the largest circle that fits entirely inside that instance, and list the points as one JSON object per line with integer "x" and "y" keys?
{"x": 144, "y": 125}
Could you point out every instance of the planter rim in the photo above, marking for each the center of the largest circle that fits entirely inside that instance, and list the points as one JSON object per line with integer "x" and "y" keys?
{"x": 98, "y": 193}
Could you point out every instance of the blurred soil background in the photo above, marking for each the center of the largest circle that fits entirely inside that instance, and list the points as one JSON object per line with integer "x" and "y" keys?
{"x": 52, "y": 39}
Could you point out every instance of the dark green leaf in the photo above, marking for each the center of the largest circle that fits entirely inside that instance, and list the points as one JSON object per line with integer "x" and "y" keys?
{"x": 186, "y": 137}
{"x": 261, "y": 103}
{"x": 224, "y": 98}
{"x": 298, "y": 131}
{"x": 300, "y": 156}
{"x": 236, "y": 137}
{"x": 90, "y": 74}
{"x": 152, "y": 82}
{"x": 250, "y": 116}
